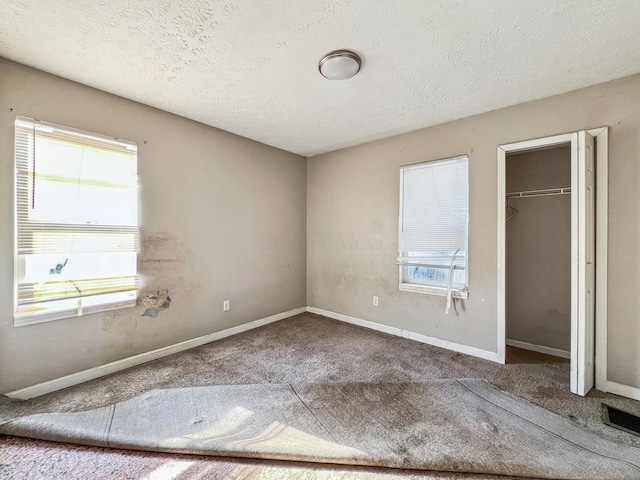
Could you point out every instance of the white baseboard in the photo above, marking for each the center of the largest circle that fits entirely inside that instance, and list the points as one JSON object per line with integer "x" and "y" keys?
{"x": 96, "y": 372}
{"x": 113, "y": 367}
{"x": 556, "y": 352}
{"x": 622, "y": 390}
{"x": 438, "y": 342}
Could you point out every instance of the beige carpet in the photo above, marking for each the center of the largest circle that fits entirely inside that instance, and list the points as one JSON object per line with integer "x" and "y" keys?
{"x": 442, "y": 425}
{"x": 302, "y": 349}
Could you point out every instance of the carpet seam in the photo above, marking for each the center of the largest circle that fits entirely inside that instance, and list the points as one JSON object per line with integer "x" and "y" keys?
{"x": 635, "y": 467}
{"x": 8, "y": 422}
{"x": 113, "y": 412}
{"x": 335, "y": 440}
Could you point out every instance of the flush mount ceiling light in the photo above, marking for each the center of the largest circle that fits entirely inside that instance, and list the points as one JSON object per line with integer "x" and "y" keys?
{"x": 339, "y": 65}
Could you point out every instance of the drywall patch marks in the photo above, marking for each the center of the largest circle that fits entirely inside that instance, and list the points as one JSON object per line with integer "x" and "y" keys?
{"x": 156, "y": 302}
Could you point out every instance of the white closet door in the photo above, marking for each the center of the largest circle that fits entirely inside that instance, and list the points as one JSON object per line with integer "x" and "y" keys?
{"x": 583, "y": 263}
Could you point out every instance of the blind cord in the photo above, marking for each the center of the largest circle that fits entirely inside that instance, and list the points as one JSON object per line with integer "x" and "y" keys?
{"x": 33, "y": 168}
{"x": 450, "y": 284}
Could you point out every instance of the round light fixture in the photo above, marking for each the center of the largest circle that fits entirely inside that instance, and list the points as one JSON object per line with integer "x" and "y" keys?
{"x": 339, "y": 65}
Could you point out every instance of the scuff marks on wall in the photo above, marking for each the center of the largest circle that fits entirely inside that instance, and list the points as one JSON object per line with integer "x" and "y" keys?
{"x": 124, "y": 321}
{"x": 163, "y": 248}
{"x": 156, "y": 302}
{"x": 167, "y": 260}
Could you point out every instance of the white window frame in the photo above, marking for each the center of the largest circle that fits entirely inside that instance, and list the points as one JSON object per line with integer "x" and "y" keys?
{"x": 81, "y": 305}
{"x": 438, "y": 290}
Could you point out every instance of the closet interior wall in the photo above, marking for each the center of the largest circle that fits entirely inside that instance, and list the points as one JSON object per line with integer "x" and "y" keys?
{"x": 538, "y": 250}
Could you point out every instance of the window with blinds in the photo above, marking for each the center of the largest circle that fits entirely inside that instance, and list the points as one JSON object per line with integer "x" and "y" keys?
{"x": 433, "y": 226}
{"x": 77, "y": 222}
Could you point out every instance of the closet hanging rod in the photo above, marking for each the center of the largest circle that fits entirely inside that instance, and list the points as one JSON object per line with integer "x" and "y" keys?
{"x": 540, "y": 193}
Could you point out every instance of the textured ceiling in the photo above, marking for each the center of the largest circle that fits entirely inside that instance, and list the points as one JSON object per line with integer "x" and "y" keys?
{"x": 250, "y": 67}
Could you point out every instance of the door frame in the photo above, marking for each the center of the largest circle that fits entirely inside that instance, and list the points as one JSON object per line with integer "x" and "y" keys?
{"x": 601, "y": 213}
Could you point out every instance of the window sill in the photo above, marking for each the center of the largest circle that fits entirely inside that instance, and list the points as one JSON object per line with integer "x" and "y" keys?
{"x": 432, "y": 290}
{"x": 23, "y": 319}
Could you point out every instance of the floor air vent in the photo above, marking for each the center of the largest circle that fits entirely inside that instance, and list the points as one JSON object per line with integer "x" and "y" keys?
{"x": 621, "y": 420}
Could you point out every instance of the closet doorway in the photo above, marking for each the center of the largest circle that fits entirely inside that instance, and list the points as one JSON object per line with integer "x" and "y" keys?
{"x": 550, "y": 287}
{"x": 538, "y": 250}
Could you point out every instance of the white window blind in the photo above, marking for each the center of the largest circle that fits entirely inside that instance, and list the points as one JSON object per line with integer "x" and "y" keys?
{"x": 433, "y": 223}
{"x": 77, "y": 222}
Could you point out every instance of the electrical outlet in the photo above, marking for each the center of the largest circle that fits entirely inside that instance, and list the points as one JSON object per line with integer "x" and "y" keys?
{"x": 375, "y": 300}
{"x": 225, "y": 305}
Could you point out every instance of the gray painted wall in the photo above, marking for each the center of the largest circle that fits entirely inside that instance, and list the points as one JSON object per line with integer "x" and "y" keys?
{"x": 223, "y": 217}
{"x": 352, "y": 220}
{"x": 538, "y": 250}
